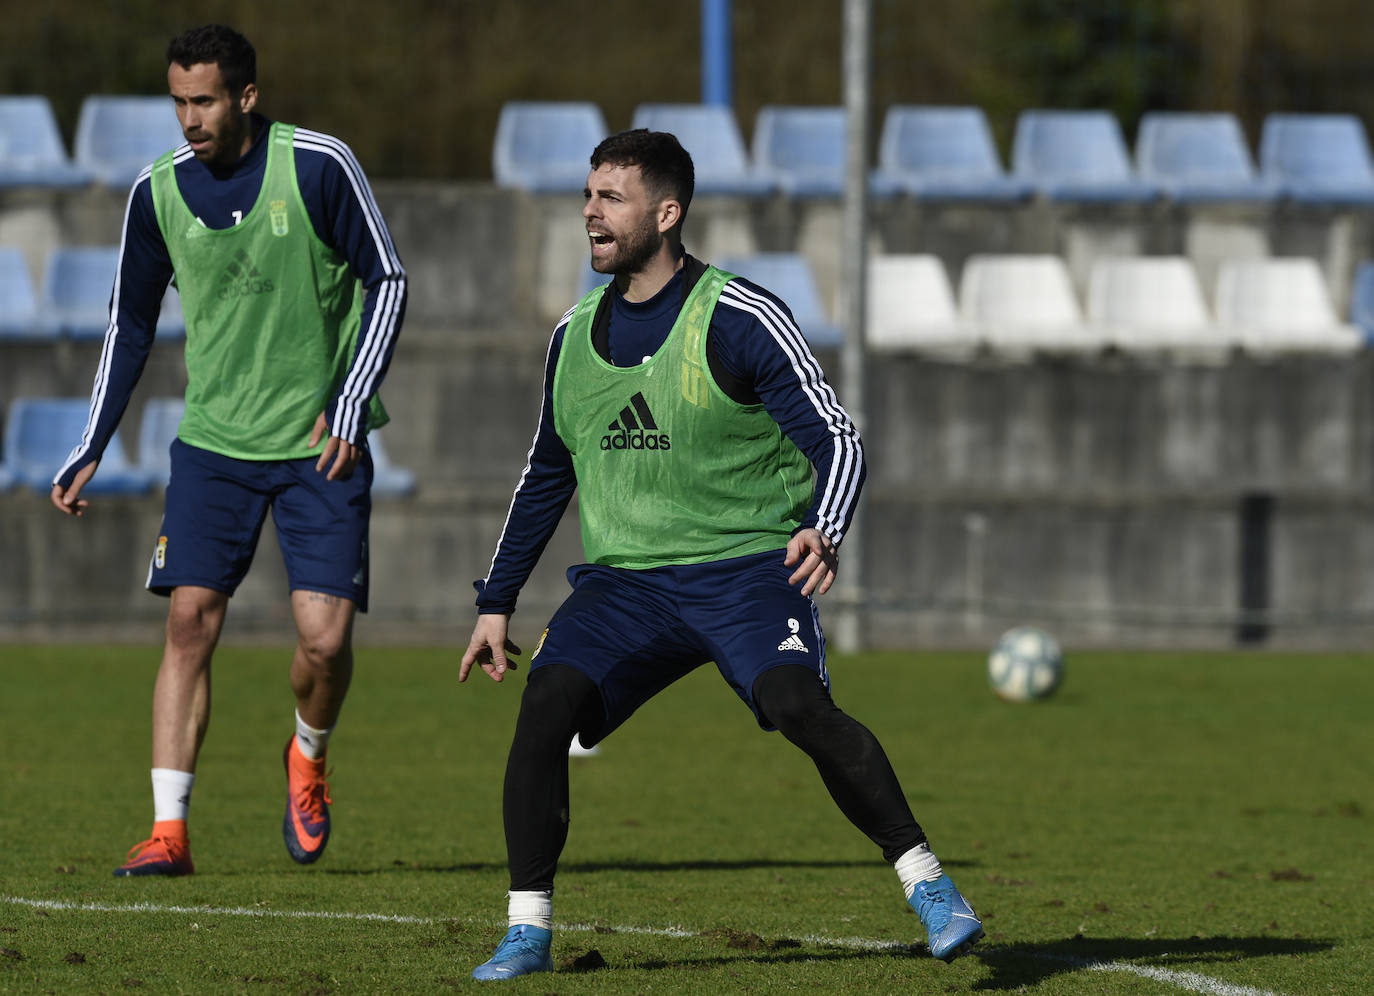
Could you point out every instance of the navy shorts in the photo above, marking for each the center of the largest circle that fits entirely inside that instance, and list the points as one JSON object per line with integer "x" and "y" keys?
{"x": 635, "y": 632}
{"x": 215, "y": 508}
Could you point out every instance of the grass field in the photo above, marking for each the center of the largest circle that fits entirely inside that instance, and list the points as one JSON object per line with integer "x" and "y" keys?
{"x": 1167, "y": 823}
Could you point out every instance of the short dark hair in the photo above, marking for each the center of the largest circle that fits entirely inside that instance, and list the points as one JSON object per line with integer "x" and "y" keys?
{"x": 663, "y": 163}
{"x": 225, "y": 47}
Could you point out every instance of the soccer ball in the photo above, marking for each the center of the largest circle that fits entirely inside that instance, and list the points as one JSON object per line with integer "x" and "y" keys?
{"x": 1026, "y": 664}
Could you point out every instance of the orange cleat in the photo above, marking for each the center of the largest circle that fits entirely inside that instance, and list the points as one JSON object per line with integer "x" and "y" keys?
{"x": 166, "y": 852}
{"x": 305, "y": 827}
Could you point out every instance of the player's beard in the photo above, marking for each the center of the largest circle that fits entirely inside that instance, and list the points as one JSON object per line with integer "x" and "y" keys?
{"x": 633, "y": 250}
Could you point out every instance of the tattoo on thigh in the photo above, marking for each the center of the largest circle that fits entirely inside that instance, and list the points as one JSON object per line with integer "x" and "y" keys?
{"x": 319, "y": 596}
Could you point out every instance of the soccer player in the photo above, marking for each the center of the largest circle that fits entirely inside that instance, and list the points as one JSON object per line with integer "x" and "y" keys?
{"x": 293, "y": 296}
{"x": 717, "y": 475}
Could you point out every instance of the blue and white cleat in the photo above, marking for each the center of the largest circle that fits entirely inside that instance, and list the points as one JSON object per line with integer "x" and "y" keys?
{"x": 523, "y": 951}
{"x": 951, "y": 925}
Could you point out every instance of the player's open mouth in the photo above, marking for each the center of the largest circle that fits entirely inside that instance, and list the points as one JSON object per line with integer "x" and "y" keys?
{"x": 602, "y": 244}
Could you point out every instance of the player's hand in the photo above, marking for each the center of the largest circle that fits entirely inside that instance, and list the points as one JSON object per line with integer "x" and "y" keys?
{"x": 343, "y": 453}
{"x": 68, "y": 502}
{"x": 489, "y": 648}
{"x": 817, "y": 561}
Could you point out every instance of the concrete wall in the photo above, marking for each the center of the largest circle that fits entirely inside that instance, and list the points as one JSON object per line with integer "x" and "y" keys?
{"x": 1105, "y": 497}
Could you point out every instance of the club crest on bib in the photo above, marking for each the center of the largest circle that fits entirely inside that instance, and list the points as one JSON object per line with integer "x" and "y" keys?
{"x": 277, "y": 212}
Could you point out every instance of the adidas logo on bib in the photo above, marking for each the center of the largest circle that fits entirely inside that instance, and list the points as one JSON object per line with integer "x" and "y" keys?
{"x": 635, "y": 429}
{"x": 242, "y": 279}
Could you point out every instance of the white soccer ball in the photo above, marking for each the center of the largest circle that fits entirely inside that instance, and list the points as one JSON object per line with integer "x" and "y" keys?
{"x": 1026, "y": 664}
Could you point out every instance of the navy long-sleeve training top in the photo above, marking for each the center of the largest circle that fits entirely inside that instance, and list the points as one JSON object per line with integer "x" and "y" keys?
{"x": 757, "y": 343}
{"x": 344, "y": 215}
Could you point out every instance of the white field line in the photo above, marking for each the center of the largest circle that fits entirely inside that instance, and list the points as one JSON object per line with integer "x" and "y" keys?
{"x": 1188, "y": 981}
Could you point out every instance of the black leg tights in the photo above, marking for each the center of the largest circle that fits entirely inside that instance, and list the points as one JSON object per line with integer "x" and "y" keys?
{"x": 851, "y": 762}
{"x": 558, "y": 701}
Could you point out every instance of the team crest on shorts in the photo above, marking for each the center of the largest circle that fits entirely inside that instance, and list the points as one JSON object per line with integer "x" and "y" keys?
{"x": 540, "y": 645}
{"x": 160, "y": 557}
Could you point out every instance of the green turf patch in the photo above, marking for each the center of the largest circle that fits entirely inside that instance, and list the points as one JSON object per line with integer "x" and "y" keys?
{"x": 1166, "y": 821}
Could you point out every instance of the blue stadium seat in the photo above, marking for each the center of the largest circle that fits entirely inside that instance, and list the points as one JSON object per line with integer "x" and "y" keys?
{"x": 1318, "y": 158}
{"x": 156, "y": 430}
{"x": 388, "y": 480}
{"x": 802, "y": 149}
{"x": 789, "y": 276}
{"x": 1362, "y": 300}
{"x": 1199, "y": 157}
{"x": 942, "y": 153}
{"x": 117, "y": 136}
{"x": 20, "y": 317}
{"x": 31, "y": 149}
{"x": 40, "y": 434}
{"x": 545, "y": 146}
{"x": 710, "y": 133}
{"x": 1077, "y": 157}
{"x": 75, "y": 295}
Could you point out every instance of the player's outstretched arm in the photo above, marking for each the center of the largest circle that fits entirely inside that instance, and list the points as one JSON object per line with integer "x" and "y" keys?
{"x": 68, "y": 501}
{"x": 816, "y": 558}
{"x": 489, "y": 647}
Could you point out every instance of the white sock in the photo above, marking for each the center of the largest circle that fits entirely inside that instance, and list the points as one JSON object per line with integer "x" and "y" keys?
{"x": 171, "y": 794}
{"x": 917, "y": 865}
{"x": 534, "y": 908}
{"x": 311, "y": 741}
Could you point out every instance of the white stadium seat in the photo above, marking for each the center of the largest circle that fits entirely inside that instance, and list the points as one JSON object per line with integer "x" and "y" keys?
{"x": 911, "y": 306}
{"x": 1022, "y": 304}
{"x": 1151, "y": 303}
{"x": 1280, "y": 305}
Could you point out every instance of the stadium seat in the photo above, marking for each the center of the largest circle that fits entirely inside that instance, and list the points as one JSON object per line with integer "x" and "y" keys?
{"x": 75, "y": 294}
{"x": 388, "y": 480}
{"x": 710, "y": 133}
{"x": 1149, "y": 303}
{"x": 40, "y": 434}
{"x": 1318, "y": 158}
{"x": 802, "y": 149}
{"x": 1023, "y": 303}
{"x": 117, "y": 136}
{"x": 1280, "y": 305}
{"x": 1076, "y": 156}
{"x": 911, "y": 306}
{"x": 156, "y": 430}
{"x": 20, "y": 317}
{"x": 789, "y": 276}
{"x": 942, "y": 153}
{"x": 1199, "y": 158}
{"x": 1362, "y": 300}
{"x": 31, "y": 149}
{"x": 546, "y": 146}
